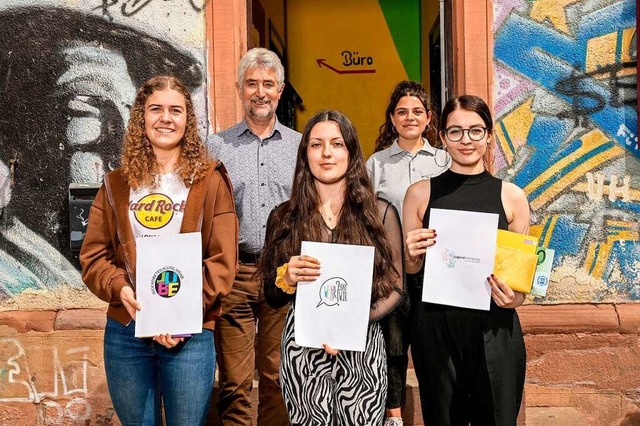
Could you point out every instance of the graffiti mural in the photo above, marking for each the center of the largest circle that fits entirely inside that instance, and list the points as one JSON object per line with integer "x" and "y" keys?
{"x": 566, "y": 105}
{"x": 62, "y": 398}
{"x": 68, "y": 77}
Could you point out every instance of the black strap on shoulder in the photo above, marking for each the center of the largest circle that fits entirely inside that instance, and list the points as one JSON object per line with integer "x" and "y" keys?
{"x": 386, "y": 209}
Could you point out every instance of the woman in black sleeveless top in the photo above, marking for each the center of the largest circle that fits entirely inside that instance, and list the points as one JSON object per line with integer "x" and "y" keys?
{"x": 470, "y": 363}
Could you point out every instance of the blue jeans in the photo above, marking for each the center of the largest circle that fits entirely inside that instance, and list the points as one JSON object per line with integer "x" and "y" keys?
{"x": 141, "y": 373}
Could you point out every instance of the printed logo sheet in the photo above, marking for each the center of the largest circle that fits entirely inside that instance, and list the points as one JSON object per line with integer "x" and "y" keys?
{"x": 457, "y": 266}
{"x": 169, "y": 284}
{"x": 334, "y": 309}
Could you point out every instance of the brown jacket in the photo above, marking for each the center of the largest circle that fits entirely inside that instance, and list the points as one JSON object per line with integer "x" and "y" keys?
{"x": 108, "y": 254}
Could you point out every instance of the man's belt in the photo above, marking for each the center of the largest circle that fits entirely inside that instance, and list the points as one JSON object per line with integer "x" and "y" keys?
{"x": 249, "y": 258}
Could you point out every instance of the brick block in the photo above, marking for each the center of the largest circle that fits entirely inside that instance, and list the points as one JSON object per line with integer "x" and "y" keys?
{"x": 555, "y": 416}
{"x": 58, "y": 377}
{"x": 20, "y": 359}
{"x": 629, "y": 314}
{"x": 81, "y": 319}
{"x": 75, "y": 361}
{"x": 600, "y": 362}
{"x": 567, "y": 319}
{"x": 18, "y": 413}
{"x": 575, "y": 406}
{"x": 24, "y": 321}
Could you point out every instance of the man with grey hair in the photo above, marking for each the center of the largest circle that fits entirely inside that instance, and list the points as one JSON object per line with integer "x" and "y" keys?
{"x": 260, "y": 154}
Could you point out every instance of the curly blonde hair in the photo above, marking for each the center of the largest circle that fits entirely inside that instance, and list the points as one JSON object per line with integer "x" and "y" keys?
{"x": 139, "y": 165}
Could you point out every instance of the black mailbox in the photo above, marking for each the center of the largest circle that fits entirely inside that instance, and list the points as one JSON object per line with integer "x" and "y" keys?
{"x": 81, "y": 197}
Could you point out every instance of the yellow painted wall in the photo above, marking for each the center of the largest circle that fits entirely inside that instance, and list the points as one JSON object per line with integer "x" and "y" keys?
{"x": 430, "y": 10}
{"x": 323, "y": 30}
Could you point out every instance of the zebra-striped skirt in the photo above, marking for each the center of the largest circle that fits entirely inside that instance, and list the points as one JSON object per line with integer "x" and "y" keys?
{"x": 323, "y": 390}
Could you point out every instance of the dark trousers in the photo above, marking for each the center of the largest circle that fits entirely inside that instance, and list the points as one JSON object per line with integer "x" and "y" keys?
{"x": 470, "y": 365}
{"x": 245, "y": 313}
{"x": 396, "y": 328}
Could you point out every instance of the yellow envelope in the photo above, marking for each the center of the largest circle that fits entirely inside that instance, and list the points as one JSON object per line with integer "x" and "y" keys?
{"x": 516, "y": 260}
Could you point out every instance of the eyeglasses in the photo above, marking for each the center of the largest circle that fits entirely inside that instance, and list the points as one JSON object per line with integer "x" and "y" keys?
{"x": 475, "y": 133}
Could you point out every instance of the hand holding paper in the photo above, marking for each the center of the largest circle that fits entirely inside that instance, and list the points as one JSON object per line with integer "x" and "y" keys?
{"x": 302, "y": 268}
{"x": 328, "y": 349}
{"x": 167, "y": 340}
{"x": 128, "y": 299}
{"x": 419, "y": 240}
{"x": 503, "y": 295}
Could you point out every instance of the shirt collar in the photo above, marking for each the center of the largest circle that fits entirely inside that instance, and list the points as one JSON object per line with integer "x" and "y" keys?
{"x": 426, "y": 148}
{"x": 243, "y": 127}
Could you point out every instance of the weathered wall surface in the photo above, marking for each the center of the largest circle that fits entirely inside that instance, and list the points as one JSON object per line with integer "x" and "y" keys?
{"x": 52, "y": 370}
{"x": 69, "y": 70}
{"x": 565, "y": 102}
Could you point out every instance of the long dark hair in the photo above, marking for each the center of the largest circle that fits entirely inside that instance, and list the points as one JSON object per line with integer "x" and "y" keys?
{"x": 299, "y": 218}
{"x": 475, "y": 104}
{"x": 388, "y": 132}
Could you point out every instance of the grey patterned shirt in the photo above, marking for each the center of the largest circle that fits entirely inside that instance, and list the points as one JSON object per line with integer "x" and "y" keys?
{"x": 393, "y": 170}
{"x": 261, "y": 173}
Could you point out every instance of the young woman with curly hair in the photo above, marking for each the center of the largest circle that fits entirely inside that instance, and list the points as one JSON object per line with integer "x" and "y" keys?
{"x": 164, "y": 161}
{"x": 406, "y": 152}
{"x": 332, "y": 201}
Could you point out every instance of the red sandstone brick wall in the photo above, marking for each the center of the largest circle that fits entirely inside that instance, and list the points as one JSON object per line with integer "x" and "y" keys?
{"x": 583, "y": 364}
{"x": 583, "y": 367}
{"x": 52, "y": 370}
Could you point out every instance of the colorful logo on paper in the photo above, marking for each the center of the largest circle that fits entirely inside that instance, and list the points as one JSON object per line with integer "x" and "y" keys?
{"x": 333, "y": 291}
{"x": 450, "y": 258}
{"x": 155, "y": 211}
{"x": 167, "y": 283}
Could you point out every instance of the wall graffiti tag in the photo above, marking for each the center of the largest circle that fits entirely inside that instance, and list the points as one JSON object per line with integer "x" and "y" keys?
{"x": 567, "y": 133}
{"x": 65, "y": 398}
{"x": 132, "y": 7}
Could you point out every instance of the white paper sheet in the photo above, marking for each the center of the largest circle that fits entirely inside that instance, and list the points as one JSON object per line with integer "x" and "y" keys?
{"x": 169, "y": 284}
{"x": 457, "y": 266}
{"x": 334, "y": 309}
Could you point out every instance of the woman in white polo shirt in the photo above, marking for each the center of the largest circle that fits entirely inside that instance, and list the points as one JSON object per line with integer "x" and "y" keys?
{"x": 406, "y": 152}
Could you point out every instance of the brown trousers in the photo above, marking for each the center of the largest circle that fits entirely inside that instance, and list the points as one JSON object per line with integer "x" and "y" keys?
{"x": 245, "y": 313}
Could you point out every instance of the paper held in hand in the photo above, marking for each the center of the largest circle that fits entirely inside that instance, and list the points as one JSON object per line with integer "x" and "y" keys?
{"x": 334, "y": 309}
{"x": 169, "y": 284}
{"x": 516, "y": 259}
{"x": 457, "y": 267}
{"x": 543, "y": 271}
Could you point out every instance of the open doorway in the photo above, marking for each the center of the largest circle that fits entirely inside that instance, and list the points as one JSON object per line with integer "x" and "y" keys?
{"x": 268, "y": 28}
{"x": 348, "y": 55}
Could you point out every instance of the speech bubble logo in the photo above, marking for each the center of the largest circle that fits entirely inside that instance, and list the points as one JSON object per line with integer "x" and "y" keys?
{"x": 333, "y": 291}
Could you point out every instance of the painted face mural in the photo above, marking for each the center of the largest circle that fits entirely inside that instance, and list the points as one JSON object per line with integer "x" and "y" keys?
{"x": 67, "y": 83}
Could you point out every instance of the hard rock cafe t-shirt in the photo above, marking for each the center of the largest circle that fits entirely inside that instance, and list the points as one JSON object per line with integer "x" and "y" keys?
{"x": 158, "y": 211}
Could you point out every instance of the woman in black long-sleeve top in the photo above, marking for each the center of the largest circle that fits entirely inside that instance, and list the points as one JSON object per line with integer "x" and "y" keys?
{"x": 332, "y": 202}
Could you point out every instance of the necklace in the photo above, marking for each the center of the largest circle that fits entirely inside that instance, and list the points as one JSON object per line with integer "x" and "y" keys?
{"x": 328, "y": 222}
{"x": 326, "y": 217}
